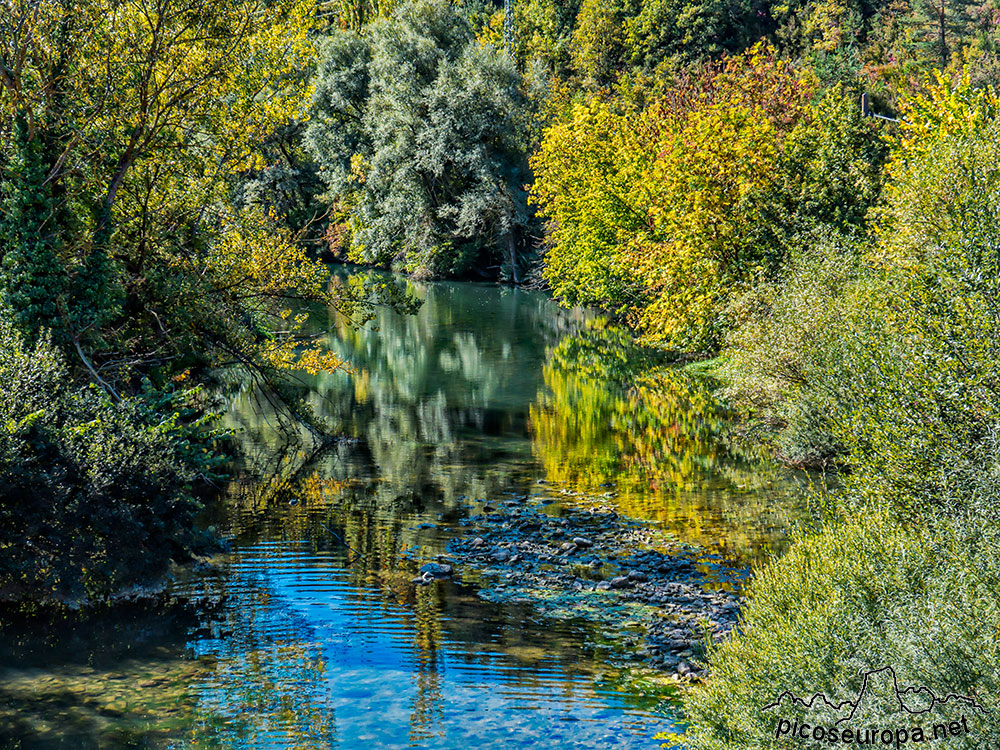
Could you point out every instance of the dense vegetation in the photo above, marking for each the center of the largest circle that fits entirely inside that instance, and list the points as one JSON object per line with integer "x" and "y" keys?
{"x": 882, "y": 354}
{"x": 172, "y": 173}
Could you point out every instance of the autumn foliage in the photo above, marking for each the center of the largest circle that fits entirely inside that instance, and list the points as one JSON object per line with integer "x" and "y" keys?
{"x": 660, "y": 210}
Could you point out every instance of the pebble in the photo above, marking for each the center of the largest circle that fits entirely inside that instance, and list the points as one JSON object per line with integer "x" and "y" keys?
{"x": 666, "y": 587}
{"x": 433, "y": 571}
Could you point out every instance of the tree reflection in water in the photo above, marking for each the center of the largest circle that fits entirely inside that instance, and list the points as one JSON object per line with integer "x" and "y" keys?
{"x": 613, "y": 416}
{"x": 480, "y": 395}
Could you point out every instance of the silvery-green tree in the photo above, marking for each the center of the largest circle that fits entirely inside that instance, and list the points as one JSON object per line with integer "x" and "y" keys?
{"x": 420, "y": 134}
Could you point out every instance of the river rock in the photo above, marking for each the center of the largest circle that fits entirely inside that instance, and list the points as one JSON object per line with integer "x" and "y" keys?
{"x": 436, "y": 570}
{"x": 621, "y": 582}
{"x": 582, "y": 542}
{"x": 637, "y": 575}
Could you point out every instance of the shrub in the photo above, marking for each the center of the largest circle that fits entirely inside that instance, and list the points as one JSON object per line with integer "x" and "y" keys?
{"x": 919, "y": 396}
{"x": 901, "y": 369}
{"x": 884, "y": 349}
{"x": 859, "y": 596}
{"x": 791, "y": 340}
{"x": 95, "y": 495}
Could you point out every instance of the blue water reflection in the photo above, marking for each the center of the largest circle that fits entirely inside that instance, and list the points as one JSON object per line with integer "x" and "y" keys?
{"x": 306, "y": 658}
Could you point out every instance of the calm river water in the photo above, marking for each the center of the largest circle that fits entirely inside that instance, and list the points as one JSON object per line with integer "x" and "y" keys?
{"x": 312, "y": 635}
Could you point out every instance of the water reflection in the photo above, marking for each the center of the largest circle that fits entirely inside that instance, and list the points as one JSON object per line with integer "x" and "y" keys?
{"x": 438, "y": 402}
{"x": 320, "y": 639}
{"x": 614, "y": 421}
{"x": 311, "y": 657}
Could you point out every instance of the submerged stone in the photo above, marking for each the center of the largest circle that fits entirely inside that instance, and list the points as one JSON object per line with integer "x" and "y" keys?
{"x": 436, "y": 570}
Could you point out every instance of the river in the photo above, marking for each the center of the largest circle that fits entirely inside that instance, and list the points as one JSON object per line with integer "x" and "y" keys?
{"x": 311, "y": 634}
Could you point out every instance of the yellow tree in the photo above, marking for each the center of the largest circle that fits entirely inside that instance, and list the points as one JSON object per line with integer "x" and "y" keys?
{"x": 126, "y": 124}
{"x": 663, "y": 210}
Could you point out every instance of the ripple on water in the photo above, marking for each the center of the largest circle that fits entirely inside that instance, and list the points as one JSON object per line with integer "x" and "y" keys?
{"x": 305, "y": 655}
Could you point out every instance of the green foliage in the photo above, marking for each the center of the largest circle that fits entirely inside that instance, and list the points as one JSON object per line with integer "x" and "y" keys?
{"x": 132, "y": 133}
{"x": 32, "y": 280}
{"x": 287, "y": 186}
{"x": 598, "y": 48}
{"x": 420, "y": 136}
{"x": 95, "y": 495}
{"x": 836, "y": 165}
{"x": 679, "y": 32}
{"x": 890, "y": 359}
{"x": 584, "y": 191}
{"x": 885, "y": 349}
{"x": 544, "y": 34}
{"x": 857, "y": 597}
{"x": 790, "y": 330}
{"x": 792, "y": 336}
{"x": 920, "y": 419}
{"x": 145, "y": 239}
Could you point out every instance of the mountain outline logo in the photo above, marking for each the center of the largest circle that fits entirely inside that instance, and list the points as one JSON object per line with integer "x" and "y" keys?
{"x": 899, "y": 694}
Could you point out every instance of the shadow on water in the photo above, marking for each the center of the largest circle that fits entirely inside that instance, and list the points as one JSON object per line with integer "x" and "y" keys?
{"x": 318, "y": 638}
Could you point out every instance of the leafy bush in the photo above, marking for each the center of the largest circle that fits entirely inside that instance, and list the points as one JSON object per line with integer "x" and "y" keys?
{"x": 860, "y": 596}
{"x": 885, "y": 349}
{"x": 792, "y": 338}
{"x": 95, "y": 495}
{"x": 896, "y": 357}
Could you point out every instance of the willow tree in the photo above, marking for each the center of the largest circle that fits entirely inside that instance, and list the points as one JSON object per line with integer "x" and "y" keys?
{"x": 420, "y": 135}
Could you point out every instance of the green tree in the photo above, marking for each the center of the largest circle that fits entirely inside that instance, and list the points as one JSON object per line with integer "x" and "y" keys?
{"x": 420, "y": 134}
{"x": 128, "y": 129}
{"x": 898, "y": 357}
{"x": 681, "y": 32}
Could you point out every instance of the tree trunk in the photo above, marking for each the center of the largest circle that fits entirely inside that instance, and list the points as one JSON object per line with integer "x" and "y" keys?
{"x": 512, "y": 248}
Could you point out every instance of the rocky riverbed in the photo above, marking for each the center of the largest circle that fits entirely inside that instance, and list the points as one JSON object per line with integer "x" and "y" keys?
{"x": 654, "y": 599}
